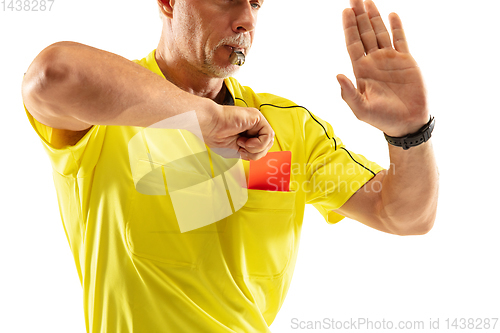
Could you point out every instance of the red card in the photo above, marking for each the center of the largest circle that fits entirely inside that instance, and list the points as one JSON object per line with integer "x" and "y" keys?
{"x": 271, "y": 172}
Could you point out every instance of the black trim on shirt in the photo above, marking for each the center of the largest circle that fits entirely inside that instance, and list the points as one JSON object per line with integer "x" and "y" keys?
{"x": 373, "y": 173}
{"x": 310, "y": 114}
{"x": 242, "y": 100}
{"x": 324, "y": 129}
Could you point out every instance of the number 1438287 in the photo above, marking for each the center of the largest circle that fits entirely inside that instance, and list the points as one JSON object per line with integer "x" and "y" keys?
{"x": 27, "y": 5}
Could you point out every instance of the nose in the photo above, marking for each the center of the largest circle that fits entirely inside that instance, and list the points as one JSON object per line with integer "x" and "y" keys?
{"x": 245, "y": 18}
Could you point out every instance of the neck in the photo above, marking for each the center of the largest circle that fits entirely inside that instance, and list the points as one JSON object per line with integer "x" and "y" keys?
{"x": 186, "y": 77}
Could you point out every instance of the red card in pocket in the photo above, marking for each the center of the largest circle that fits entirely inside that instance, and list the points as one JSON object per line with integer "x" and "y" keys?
{"x": 271, "y": 172}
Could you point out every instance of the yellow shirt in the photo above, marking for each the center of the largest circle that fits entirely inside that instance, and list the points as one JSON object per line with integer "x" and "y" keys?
{"x": 140, "y": 274}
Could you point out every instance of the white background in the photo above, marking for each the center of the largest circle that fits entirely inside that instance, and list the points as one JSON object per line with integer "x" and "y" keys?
{"x": 344, "y": 271}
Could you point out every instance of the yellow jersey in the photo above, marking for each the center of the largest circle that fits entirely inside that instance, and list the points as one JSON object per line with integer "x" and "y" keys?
{"x": 140, "y": 273}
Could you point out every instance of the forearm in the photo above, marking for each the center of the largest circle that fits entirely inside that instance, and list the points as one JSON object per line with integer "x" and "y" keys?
{"x": 71, "y": 80}
{"x": 410, "y": 190}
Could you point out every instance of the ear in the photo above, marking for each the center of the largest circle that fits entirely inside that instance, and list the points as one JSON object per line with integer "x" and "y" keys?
{"x": 166, "y": 7}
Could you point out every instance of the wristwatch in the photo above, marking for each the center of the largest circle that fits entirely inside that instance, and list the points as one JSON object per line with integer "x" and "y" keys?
{"x": 414, "y": 139}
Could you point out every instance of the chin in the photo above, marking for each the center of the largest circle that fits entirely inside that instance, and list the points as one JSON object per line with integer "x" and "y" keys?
{"x": 218, "y": 66}
{"x": 220, "y": 72}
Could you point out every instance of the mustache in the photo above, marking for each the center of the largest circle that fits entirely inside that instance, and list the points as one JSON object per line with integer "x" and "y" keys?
{"x": 240, "y": 40}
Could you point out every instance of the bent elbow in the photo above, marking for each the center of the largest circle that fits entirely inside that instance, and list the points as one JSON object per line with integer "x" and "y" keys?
{"x": 423, "y": 228}
{"x": 418, "y": 227}
{"x": 47, "y": 72}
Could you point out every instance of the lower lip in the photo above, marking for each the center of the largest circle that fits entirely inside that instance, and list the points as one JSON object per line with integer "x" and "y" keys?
{"x": 230, "y": 48}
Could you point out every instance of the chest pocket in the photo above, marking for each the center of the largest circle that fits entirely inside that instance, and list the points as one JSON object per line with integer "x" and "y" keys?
{"x": 257, "y": 241}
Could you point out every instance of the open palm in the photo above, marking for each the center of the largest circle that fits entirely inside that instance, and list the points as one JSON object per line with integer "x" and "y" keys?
{"x": 390, "y": 92}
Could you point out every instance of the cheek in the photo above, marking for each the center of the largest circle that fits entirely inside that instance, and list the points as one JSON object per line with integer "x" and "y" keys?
{"x": 193, "y": 32}
{"x": 185, "y": 34}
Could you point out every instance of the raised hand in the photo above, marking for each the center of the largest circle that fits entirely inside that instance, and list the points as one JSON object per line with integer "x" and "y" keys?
{"x": 390, "y": 92}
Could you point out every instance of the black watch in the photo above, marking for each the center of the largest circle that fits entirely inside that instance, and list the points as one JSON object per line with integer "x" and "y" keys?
{"x": 415, "y": 139}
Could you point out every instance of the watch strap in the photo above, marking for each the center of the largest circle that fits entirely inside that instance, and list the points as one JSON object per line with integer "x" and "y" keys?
{"x": 414, "y": 139}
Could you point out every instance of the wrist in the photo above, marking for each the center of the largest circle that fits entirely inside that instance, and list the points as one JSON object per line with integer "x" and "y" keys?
{"x": 408, "y": 128}
{"x": 208, "y": 113}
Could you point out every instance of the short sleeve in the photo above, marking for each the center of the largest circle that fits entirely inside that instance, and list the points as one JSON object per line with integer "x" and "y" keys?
{"x": 334, "y": 173}
{"x": 77, "y": 160}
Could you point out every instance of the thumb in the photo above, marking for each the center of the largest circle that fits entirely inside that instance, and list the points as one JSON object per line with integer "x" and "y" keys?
{"x": 349, "y": 93}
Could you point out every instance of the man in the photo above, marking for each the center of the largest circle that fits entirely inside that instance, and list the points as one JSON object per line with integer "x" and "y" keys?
{"x": 139, "y": 272}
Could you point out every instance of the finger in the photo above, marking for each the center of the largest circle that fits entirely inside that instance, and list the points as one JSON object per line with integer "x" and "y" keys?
{"x": 259, "y": 155}
{"x": 350, "y": 95}
{"x": 383, "y": 37}
{"x": 258, "y": 144}
{"x": 364, "y": 26}
{"x": 264, "y": 134}
{"x": 353, "y": 41}
{"x": 398, "y": 34}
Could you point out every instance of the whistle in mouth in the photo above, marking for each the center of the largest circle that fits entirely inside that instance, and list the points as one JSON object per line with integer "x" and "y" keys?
{"x": 237, "y": 58}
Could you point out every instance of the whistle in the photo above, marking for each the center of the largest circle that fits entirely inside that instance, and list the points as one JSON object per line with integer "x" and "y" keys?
{"x": 237, "y": 58}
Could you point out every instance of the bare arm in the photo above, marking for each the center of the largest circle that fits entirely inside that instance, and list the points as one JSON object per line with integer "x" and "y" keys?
{"x": 390, "y": 95}
{"x": 71, "y": 86}
{"x": 404, "y": 200}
